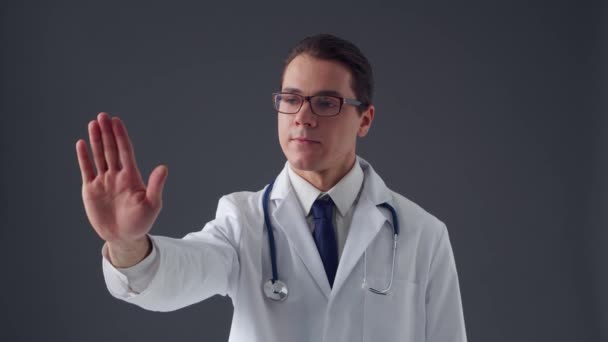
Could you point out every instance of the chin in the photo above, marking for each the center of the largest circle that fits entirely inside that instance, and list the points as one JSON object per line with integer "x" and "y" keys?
{"x": 305, "y": 162}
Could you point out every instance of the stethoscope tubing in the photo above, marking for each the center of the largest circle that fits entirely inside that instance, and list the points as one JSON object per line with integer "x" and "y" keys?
{"x": 273, "y": 251}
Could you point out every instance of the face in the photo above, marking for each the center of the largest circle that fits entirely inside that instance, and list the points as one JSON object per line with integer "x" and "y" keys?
{"x": 311, "y": 142}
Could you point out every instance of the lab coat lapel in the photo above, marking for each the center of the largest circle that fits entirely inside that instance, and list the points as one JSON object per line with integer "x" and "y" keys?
{"x": 290, "y": 218}
{"x": 366, "y": 223}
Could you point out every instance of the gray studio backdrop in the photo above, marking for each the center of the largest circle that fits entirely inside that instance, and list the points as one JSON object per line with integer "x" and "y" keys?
{"x": 492, "y": 116}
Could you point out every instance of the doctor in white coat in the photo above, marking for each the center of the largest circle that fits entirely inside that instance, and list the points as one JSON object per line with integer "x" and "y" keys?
{"x": 332, "y": 262}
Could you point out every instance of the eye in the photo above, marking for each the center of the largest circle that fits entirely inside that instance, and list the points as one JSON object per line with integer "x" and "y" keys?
{"x": 327, "y": 102}
{"x": 290, "y": 99}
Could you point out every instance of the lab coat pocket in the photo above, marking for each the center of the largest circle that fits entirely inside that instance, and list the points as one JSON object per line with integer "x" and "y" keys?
{"x": 396, "y": 316}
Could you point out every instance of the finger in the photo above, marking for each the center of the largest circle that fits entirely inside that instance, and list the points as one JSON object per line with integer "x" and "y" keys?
{"x": 109, "y": 142}
{"x": 156, "y": 183}
{"x": 126, "y": 154}
{"x": 97, "y": 147}
{"x": 86, "y": 167}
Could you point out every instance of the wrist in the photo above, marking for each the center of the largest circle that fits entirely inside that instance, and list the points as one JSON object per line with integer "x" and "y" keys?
{"x": 127, "y": 254}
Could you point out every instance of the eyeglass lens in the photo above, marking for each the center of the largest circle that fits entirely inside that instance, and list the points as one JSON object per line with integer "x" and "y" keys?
{"x": 321, "y": 105}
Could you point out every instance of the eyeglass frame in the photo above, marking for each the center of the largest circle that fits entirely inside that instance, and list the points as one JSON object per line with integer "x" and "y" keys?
{"x": 343, "y": 100}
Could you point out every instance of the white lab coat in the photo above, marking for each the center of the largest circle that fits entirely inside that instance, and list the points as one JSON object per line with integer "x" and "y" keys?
{"x": 230, "y": 256}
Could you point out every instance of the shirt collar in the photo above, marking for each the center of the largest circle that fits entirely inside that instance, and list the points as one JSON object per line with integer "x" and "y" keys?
{"x": 343, "y": 193}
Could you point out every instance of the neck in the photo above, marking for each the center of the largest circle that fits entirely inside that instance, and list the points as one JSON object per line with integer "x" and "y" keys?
{"x": 326, "y": 179}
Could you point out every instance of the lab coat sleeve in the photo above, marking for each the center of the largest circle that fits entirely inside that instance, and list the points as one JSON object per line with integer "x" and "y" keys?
{"x": 130, "y": 281}
{"x": 191, "y": 269}
{"x": 444, "y": 313}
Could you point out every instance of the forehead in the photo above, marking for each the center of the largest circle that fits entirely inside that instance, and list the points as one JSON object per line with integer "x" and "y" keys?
{"x": 311, "y": 75}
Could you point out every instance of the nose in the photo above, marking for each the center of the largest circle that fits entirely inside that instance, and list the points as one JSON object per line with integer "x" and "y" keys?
{"x": 305, "y": 116}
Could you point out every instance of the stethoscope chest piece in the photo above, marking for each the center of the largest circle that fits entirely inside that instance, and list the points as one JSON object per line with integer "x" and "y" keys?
{"x": 275, "y": 291}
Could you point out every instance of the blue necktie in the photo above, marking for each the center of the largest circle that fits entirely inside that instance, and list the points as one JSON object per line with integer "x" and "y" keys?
{"x": 325, "y": 236}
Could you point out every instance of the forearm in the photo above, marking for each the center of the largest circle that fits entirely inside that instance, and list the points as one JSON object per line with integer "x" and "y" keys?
{"x": 186, "y": 272}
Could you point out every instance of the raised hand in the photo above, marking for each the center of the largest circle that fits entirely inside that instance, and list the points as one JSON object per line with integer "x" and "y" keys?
{"x": 119, "y": 206}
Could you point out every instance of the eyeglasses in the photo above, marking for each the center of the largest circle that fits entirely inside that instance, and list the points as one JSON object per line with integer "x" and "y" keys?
{"x": 321, "y": 105}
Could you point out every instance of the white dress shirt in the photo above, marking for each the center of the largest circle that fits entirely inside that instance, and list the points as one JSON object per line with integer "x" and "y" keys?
{"x": 133, "y": 280}
{"x": 344, "y": 194}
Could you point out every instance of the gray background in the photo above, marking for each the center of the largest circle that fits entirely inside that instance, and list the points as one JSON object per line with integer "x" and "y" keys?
{"x": 492, "y": 116}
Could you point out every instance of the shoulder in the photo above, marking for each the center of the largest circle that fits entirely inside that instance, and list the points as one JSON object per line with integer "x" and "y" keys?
{"x": 240, "y": 203}
{"x": 238, "y": 213}
{"x": 415, "y": 219}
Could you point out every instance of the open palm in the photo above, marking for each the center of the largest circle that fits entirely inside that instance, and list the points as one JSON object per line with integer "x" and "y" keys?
{"x": 118, "y": 204}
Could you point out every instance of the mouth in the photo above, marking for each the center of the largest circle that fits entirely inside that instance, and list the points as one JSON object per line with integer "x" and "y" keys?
{"x": 303, "y": 140}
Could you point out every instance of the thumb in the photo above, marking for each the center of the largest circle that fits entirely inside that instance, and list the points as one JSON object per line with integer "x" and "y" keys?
{"x": 156, "y": 183}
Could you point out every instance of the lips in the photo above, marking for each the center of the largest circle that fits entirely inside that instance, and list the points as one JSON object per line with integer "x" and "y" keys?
{"x": 305, "y": 140}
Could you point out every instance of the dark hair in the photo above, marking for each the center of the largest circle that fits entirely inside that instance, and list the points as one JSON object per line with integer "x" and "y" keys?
{"x": 332, "y": 48}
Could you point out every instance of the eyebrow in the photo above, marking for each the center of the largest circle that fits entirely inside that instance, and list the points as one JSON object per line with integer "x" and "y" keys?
{"x": 321, "y": 92}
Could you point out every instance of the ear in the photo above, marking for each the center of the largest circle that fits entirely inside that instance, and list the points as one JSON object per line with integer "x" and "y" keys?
{"x": 366, "y": 121}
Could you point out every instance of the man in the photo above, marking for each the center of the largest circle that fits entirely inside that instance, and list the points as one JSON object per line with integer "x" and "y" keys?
{"x": 326, "y": 252}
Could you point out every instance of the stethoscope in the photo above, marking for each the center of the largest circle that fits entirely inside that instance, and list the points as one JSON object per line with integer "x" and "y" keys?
{"x": 276, "y": 289}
